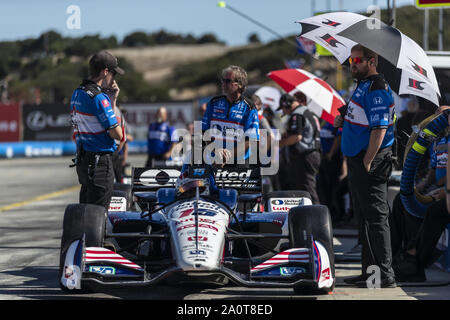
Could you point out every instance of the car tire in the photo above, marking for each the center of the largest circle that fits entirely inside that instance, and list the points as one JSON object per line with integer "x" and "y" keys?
{"x": 80, "y": 220}
{"x": 315, "y": 220}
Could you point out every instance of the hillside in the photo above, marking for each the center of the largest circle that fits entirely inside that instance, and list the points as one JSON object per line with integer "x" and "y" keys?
{"x": 157, "y": 63}
{"x": 162, "y": 66}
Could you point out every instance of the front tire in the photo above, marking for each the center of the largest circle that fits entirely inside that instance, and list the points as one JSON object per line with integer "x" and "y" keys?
{"x": 315, "y": 221}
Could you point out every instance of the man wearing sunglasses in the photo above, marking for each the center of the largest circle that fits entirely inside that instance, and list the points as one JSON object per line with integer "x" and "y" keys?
{"x": 232, "y": 117}
{"x": 96, "y": 128}
{"x": 228, "y": 120}
{"x": 367, "y": 137}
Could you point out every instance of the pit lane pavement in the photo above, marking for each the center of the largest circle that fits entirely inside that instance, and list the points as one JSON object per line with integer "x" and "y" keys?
{"x": 33, "y": 196}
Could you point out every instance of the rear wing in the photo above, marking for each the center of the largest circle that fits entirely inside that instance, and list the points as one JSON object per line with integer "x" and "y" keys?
{"x": 245, "y": 179}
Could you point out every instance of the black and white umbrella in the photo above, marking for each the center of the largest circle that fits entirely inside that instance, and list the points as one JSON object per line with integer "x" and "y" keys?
{"x": 403, "y": 62}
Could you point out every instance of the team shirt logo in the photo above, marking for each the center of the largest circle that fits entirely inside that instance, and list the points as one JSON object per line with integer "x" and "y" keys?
{"x": 105, "y": 103}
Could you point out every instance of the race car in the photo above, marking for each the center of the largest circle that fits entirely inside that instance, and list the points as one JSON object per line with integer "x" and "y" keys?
{"x": 278, "y": 240}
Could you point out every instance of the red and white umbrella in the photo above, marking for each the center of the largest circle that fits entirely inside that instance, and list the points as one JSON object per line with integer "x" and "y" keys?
{"x": 325, "y": 101}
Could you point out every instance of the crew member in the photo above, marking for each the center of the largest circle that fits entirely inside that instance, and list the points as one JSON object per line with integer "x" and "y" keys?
{"x": 367, "y": 139}
{"x": 159, "y": 144}
{"x": 93, "y": 106}
{"x": 302, "y": 138}
{"x": 231, "y": 117}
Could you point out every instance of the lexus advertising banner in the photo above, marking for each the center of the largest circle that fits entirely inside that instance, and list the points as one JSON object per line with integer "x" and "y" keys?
{"x": 10, "y": 122}
{"x": 46, "y": 122}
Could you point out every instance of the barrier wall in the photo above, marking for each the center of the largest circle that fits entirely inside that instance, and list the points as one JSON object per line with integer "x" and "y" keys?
{"x": 30, "y": 149}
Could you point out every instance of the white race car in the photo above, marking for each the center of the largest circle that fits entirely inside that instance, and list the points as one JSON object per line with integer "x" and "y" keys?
{"x": 279, "y": 240}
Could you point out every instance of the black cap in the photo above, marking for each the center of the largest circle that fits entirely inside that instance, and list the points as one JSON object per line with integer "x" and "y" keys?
{"x": 103, "y": 59}
{"x": 285, "y": 101}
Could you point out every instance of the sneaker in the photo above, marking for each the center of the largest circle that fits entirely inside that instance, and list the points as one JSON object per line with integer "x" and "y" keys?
{"x": 353, "y": 280}
{"x": 388, "y": 283}
{"x": 405, "y": 264}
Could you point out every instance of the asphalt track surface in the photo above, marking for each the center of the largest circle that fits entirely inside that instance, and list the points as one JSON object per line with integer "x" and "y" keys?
{"x": 34, "y": 193}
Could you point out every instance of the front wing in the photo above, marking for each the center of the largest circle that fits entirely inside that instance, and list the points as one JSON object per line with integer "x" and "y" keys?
{"x": 290, "y": 268}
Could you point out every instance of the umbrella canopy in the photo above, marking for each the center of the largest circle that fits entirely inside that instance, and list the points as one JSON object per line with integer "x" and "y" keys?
{"x": 325, "y": 101}
{"x": 404, "y": 63}
{"x": 269, "y": 96}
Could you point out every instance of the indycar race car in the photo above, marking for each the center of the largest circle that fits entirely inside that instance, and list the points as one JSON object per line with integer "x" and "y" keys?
{"x": 279, "y": 240}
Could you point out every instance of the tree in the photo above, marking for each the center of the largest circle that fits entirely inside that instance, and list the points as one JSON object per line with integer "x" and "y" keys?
{"x": 253, "y": 38}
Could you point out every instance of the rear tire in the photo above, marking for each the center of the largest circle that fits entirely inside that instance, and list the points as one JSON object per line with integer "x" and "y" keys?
{"x": 313, "y": 220}
{"x": 81, "y": 219}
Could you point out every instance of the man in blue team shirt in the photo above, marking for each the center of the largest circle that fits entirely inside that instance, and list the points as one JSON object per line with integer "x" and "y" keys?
{"x": 367, "y": 137}
{"x": 229, "y": 119}
{"x": 159, "y": 144}
{"x": 95, "y": 129}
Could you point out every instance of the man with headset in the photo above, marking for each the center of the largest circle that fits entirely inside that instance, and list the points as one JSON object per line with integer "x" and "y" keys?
{"x": 95, "y": 129}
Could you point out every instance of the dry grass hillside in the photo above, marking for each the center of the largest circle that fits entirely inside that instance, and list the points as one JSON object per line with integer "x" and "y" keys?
{"x": 156, "y": 63}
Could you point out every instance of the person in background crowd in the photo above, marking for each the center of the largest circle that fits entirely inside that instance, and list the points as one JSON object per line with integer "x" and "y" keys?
{"x": 367, "y": 139}
{"x": 202, "y": 109}
{"x": 404, "y": 127}
{"x": 404, "y": 226}
{"x": 266, "y": 140}
{"x": 159, "y": 144}
{"x": 120, "y": 156}
{"x": 303, "y": 142}
{"x": 416, "y": 243}
{"x": 330, "y": 168}
{"x": 93, "y": 107}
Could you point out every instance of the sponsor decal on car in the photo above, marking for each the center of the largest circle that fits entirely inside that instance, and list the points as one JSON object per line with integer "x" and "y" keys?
{"x": 326, "y": 274}
{"x": 102, "y": 269}
{"x": 118, "y": 204}
{"x": 288, "y": 271}
{"x": 200, "y": 252}
{"x": 285, "y": 204}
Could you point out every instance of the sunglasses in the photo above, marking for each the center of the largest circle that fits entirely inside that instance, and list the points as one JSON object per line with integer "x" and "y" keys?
{"x": 356, "y": 60}
{"x": 227, "y": 81}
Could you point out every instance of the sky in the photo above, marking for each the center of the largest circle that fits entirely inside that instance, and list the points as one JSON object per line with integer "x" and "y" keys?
{"x": 22, "y": 19}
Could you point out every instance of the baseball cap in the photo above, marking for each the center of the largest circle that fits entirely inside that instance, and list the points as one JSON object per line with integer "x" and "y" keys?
{"x": 285, "y": 101}
{"x": 104, "y": 59}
